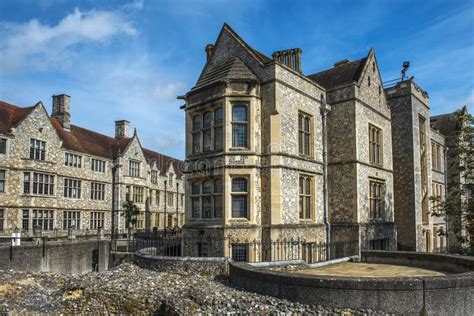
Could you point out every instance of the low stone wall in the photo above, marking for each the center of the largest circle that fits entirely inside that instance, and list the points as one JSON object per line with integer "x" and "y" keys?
{"x": 447, "y": 295}
{"x": 65, "y": 256}
{"x": 182, "y": 265}
{"x": 424, "y": 260}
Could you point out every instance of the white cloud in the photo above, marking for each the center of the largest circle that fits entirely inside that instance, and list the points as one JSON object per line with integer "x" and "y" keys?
{"x": 33, "y": 45}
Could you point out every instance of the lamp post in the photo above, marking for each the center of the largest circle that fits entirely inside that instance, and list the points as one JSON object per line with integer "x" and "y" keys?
{"x": 166, "y": 202}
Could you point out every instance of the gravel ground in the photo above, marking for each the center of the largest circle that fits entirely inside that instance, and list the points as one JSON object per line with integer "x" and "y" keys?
{"x": 128, "y": 289}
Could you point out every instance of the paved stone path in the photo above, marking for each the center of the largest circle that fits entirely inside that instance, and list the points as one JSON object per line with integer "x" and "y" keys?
{"x": 370, "y": 270}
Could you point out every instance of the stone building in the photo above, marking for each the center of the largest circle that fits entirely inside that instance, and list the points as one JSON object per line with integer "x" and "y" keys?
{"x": 56, "y": 175}
{"x": 255, "y": 148}
{"x": 420, "y": 169}
{"x": 449, "y": 125}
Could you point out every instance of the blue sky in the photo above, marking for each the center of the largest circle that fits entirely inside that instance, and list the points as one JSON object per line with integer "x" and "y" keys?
{"x": 129, "y": 59}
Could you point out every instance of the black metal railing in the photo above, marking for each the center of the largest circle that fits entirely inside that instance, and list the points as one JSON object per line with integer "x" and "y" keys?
{"x": 157, "y": 244}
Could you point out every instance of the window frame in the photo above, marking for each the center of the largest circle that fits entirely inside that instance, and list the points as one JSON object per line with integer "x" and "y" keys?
{"x": 69, "y": 217}
{"x": 304, "y": 195}
{"x": 37, "y": 185}
{"x": 3, "y": 180}
{"x": 3, "y": 146}
{"x": 245, "y": 123}
{"x": 95, "y": 219}
{"x": 305, "y": 139}
{"x": 375, "y": 145}
{"x": 97, "y": 190}
{"x": 72, "y": 188}
{"x": 134, "y": 168}
{"x": 98, "y": 165}
{"x": 235, "y": 194}
{"x": 377, "y": 190}
{"x": 72, "y": 160}
{"x": 37, "y": 149}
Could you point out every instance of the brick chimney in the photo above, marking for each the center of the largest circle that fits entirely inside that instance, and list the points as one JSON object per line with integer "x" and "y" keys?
{"x": 209, "y": 51}
{"x": 121, "y": 129}
{"x": 61, "y": 109}
{"x": 289, "y": 57}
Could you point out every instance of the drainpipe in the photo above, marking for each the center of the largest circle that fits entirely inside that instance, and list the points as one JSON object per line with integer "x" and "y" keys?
{"x": 446, "y": 194}
{"x": 325, "y": 108}
{"x": 112, "y": 228}
{"x": 177, "y": 204}
{"x": 166, "y": 202}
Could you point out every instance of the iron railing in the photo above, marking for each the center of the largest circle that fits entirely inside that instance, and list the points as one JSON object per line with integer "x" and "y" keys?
{"x": 157, "y": 244}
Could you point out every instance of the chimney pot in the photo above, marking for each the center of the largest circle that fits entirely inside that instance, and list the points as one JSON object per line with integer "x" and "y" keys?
{"x": 121, "y": 129}
{"x": 62, "y": 109}
{"x": 289, "y": 57}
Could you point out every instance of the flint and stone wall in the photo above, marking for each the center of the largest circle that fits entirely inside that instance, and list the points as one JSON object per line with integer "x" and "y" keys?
{"x": 77, "y": 257}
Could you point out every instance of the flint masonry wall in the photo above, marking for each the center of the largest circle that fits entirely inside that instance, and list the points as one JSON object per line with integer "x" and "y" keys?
{"x": 77, "y": 257}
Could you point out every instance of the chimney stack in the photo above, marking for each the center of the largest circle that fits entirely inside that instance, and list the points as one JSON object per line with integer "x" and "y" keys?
{"x": 61, "y": 109}
{"x": 289, "y": 57}
{"x": 121, "y": 129}
{"x": 209, "y": 51}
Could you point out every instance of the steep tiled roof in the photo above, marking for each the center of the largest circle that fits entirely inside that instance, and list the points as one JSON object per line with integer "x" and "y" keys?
{"x": 86, "y": 141}
{"x": 341, "y": 74}
{"x": 446, "y": 124}
{"x": 83, "y": 140}
{"x": 164, "y": 162}
{"x": 232, "y": 69}
{"x": 11, "y": 115}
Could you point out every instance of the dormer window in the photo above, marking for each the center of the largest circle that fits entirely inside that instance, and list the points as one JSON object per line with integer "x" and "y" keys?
{"x": 170, "y": 178}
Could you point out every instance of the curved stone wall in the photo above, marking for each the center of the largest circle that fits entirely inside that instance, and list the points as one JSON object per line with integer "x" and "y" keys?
{"x": 182, "y": 265}
{"x": 446, "y": 295}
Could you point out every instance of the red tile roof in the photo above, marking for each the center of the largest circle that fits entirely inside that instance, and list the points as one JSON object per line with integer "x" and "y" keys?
{"x": 341, "y": 74}
{"x": 164, "y": 162}
{"x": 83, "y": 140}
{"x": 11, "y": 115}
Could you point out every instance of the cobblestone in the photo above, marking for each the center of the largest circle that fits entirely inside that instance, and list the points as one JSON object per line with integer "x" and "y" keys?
{"x": 128, "y": 289}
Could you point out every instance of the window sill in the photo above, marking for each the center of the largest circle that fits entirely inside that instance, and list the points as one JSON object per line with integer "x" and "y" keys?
{"x": 306, "y": 221}
{"x": 39, "y": 160}
{"x": 27, "y": 195}
{"x": 239, "y": 149}
{"x": 239, "y": 220}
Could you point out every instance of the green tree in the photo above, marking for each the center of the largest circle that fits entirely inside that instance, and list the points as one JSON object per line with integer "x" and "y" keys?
{"x": 458, "y": 206}
{"x": 130, "y": 212}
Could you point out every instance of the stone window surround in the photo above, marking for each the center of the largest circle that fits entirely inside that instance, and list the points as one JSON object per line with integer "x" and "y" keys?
{"x": 437, "y": 156}
{"x": 98, "y": 165}
{"x": 246, "y": 123}
{"x": 303, "y": 177}
{"x": 30, "y": 184}
{"x": 377, "y": 160}
{"x": 134, "y": 168}
{"x": 72, "y": 188}
{"x": 154, "y": 176}
{"x": 97, "y": 190}
{"x": 37, "y": 149}
{"x": 304, "y": 115}
{"x": 213, "y": 194}
{"x": 3, "y": 145}
{"x": 97, "y": 219}
{"x": 71, "y": 219}
{"x": 73, "y": 160}
{"x": 378, "y": 199}
{"x": 213, "y": 127}
{"x": 238, "y": 193}
{"x": 437, "y": 190}
{"x": 2, "y": 219}
{"x": 3, "y": 176}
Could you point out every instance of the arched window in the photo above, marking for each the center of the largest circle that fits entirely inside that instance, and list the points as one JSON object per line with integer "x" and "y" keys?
{"x": 304, "y": 133}
{"x": 195, "y": 200}
{"x": 218, "y": 129}
{"x": 239, "y": 126}
{"x": 206, "y": 131}
{"x": 196, "y": 134}
{"x": 239, "y": 198}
